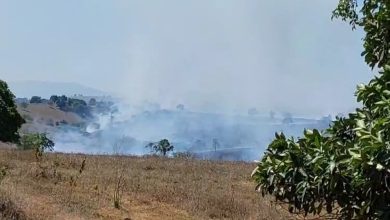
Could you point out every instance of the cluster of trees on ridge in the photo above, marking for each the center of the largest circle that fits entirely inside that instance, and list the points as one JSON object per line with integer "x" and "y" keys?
{"x": 11, "y": 121}
{"x": 78, "y": 106}
{"x": 344, "y": 171}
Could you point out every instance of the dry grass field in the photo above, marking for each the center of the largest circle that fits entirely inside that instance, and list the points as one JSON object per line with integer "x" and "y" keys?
{"x": 62, "y": 186}
{"x": 43, "y": 117}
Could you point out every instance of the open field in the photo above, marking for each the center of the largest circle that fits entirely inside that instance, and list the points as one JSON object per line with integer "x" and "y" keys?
{"x": 61, "y": 187}
{"x": 43, "y": 117}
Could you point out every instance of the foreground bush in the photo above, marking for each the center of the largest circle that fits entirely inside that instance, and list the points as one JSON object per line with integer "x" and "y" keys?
{"x": 345, "y": 170}
{"x": 10, "y": 119}
{"x": 37, "y": 142}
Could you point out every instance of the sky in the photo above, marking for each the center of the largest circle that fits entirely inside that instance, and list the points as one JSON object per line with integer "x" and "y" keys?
{"x": 210, "y": 55}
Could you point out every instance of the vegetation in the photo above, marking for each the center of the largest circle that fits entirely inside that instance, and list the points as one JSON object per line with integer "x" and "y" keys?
{"x": 77, "y": 106}
{"x": 119, "y": 168}
{"x": 161, "y": 147}
{"x": 37, "y": 142}
{"x": 184, "y": 155}
{"x": 92, "y": 102}
{"x": 180, "y": 107}
{"x": 343, "y": 172}
{"x": 10, "y": 119}
{"x": 287, "y": 118}
{"x": 3, "y": 172}
{"x": 153, "y": 188}
{"x": 36, "y": 99}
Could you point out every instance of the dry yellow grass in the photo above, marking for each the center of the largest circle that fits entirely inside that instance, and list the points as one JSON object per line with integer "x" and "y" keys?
{"x": 45, "y": 112}
{"x": 43, "y": 117}
{"x": 153, "y": 188}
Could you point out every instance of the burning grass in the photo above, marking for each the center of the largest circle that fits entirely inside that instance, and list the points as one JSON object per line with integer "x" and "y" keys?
{"x": 60, "y": 187}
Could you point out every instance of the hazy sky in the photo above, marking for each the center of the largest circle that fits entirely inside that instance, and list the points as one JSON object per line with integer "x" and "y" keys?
{"x": 226, "y": 55}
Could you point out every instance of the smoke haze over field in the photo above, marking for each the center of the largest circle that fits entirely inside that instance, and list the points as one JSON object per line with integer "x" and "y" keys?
{"x": 206, "y": 135}
{"x": 214, "y": 56}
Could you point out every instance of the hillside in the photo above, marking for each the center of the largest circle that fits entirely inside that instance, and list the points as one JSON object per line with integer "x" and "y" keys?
{"x": 27, "y": 88}
{"x": 44, "y": 117}
{"x": 151, "y": 188}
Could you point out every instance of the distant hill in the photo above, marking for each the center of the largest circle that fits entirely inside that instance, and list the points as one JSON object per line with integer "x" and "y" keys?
{"x": 45, "y": 118}
{"x": 46, "y": 89}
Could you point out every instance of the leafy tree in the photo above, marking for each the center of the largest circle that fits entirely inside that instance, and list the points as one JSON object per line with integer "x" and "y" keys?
{"x": 345, "y": 170}
{"x": 62, "y": 102}
{"x": 92, "y": 102}
{"x": 287, "y": 119}
{"x": 36, "y": 99}
{"x": 79, "y": 107}
{"x": 37, "y": 142}
{"x": 180, "y": 107}
{"x": 54, "y": 98}
{"x": 162, "y": 147}
{"x": 10, "y": 119}
{"x": 373, "y": 17}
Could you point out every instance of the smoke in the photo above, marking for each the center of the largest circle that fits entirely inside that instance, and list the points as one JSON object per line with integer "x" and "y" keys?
{"x": 218, "y": 58}
{"x": 215, "y": 56}
{"x": 206, "y": 135}
{"x": 228, "y": 56}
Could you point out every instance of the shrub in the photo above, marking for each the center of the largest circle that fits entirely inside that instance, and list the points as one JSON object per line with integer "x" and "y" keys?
{"x": 37, "y": 142}
{"x": 36, "y": 99}
{"x": 184, "y": 155}
{"x": 161, "y": 147}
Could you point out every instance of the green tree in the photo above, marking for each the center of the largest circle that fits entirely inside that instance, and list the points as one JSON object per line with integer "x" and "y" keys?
{"x": 54, "y": 98}
{"x": 373, "y": 16}
{"x": 37, "y": 142}
{"x": 62, "y": 102}
{"x": 161, "y": 147}
{"x": 180, "y": 107}
{"x": 36, "y": 99}
{"x": 92, "y": 102}
{"x": 10, "y": 119}
{"x": 79, "y": 107}
{"x": 345, "y": 170}
{"x": 287, "y": 118}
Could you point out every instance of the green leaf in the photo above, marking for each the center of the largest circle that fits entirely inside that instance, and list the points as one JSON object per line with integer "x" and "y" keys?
{"x": 255, "y": 171}
{"x": 354, "y": 155}
{"x": 332, "y": 166}
{"x": 360, "y": 124}
{"x": 379, "y": 167}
